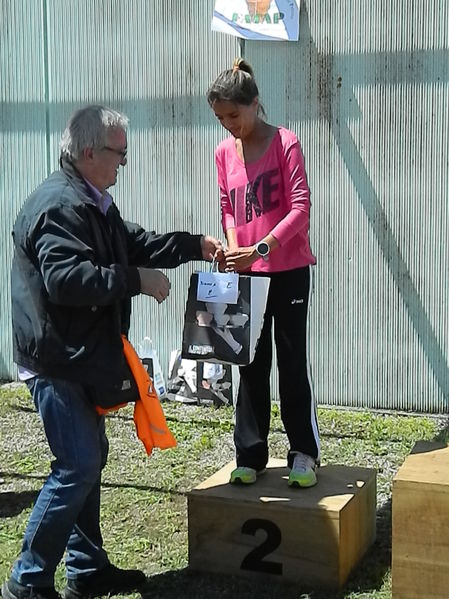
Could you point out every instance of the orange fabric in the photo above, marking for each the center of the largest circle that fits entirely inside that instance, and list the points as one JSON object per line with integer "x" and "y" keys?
{"x": 104, "y": 411}
{"x": 149, "y": 418}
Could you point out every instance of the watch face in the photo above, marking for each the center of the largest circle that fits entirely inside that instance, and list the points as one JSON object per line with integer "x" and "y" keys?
{"x": 263, "y": 248}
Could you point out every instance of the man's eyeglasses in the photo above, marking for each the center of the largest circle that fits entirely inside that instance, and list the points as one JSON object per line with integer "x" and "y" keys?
{"x": 121, "y": 153}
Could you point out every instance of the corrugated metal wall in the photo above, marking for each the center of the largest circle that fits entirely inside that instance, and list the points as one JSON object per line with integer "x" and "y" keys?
{"x": 366, "y": 89}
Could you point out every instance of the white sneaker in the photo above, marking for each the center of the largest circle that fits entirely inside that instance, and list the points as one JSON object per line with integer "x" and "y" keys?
{"x": 302, "y": 473}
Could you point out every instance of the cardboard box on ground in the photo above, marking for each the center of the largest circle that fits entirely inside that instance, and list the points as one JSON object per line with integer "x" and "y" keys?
{"x": 202, "y": 383}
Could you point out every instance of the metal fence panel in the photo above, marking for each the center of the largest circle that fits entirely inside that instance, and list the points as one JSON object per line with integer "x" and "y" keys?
{"x": 366, "y": 90}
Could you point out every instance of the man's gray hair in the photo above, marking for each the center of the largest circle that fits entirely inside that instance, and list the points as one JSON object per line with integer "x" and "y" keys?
{"x": 88, "y": 128}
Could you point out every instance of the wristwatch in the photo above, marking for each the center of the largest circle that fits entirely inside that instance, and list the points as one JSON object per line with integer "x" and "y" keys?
{"x": 263, "y": 249}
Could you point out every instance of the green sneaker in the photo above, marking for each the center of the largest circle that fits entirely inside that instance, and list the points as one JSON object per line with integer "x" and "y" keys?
{"x": 245, "y": 476}
{"x": 302, "y": 473}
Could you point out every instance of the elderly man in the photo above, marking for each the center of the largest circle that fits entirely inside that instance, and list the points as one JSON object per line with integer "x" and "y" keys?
{"x": 76, "y": 266}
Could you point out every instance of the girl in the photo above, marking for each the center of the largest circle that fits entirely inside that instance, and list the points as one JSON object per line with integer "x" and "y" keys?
{"x": 265, "y": 202}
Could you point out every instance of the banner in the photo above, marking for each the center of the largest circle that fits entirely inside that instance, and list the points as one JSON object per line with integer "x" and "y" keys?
{"x": 264, "y": 20}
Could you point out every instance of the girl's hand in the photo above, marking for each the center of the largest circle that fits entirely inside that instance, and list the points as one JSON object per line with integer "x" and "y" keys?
{"x": 240, "y": 258}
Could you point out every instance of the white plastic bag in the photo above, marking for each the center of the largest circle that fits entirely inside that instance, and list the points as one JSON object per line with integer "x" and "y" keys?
{"x": 150, "y": 360}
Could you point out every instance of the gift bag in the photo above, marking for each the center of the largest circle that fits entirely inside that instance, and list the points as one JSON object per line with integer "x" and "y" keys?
{"x": 224, "y": 317}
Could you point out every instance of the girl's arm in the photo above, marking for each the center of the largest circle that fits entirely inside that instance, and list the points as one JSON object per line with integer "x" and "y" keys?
{"x": 298, "y": 193}
{"x": 241, "y": 258}
{"x": 231, "y": 238}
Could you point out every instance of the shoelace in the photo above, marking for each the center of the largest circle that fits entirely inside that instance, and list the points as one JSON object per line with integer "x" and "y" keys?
{"x": 301, "y": 462}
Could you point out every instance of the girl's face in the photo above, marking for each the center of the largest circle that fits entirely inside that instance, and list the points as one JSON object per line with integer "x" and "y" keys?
{"x": 238, "y": 119}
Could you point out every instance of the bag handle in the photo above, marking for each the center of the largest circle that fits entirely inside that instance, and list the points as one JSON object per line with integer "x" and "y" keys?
{"x": 214, "y": 268}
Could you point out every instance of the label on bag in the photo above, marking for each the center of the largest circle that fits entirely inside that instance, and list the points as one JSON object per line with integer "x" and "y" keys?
{"x": 218, "y": 287}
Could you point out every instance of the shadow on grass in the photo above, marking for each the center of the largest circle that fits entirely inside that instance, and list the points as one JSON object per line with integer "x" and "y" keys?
{"x": 443, "y": 435}
{"x": 22, "y": 408}
{"x": 12, "y": 503}
{"x": 106, "y": 485}
{"x": 190, "y": 584}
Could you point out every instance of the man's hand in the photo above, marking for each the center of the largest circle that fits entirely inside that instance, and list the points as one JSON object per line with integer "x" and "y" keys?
{"x": 154, "y": 283}
{"x": 209, "y": 246}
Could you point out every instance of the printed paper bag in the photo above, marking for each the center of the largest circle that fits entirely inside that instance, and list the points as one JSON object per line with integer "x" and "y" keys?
{"x": 224, "y": 331}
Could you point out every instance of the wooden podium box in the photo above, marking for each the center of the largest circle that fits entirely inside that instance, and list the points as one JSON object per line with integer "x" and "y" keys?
{"x": 313, "y": 536}
{"x": 420, "y": 524}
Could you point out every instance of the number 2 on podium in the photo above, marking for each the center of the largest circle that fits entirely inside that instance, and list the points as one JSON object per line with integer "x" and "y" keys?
{"x": 254, "y": 560}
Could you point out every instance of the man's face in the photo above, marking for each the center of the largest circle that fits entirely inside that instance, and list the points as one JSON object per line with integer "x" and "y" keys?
{"x": 100, "y": 166}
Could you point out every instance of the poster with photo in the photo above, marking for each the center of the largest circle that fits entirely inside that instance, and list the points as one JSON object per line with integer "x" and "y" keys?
{"x": 214, "y": 384}
{"x": 201, "y": 383}
{"x": 263, "y": 20}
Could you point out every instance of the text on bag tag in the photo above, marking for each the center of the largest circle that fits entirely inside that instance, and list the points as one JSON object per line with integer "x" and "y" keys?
{"x": 218, "y": 287}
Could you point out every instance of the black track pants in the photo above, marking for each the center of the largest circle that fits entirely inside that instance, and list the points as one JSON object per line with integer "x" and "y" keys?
{"x": 287, "y": 305}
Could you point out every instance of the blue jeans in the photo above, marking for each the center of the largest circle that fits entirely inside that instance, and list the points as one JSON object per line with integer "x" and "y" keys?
{"x": 66, "y": 514}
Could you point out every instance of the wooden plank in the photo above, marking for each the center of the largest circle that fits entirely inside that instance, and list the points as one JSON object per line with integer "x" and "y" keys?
{"x": 220, "y": 543}
{"x": 270, "y": 530}
{"x": 420, "y": 525}
{"x": 428, "y": 466}
{"x": 358, "y": 528}
{"x": 336, "y": 486}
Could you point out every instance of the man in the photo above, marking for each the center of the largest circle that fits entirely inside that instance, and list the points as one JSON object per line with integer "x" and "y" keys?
{"x": 76, "y": 266}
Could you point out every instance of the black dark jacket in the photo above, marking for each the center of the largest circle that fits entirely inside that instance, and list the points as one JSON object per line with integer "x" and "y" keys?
{"x": 73, "y": 275}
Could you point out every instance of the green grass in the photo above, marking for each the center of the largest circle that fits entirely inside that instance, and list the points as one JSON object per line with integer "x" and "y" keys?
{"x": 144, "y": 507}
